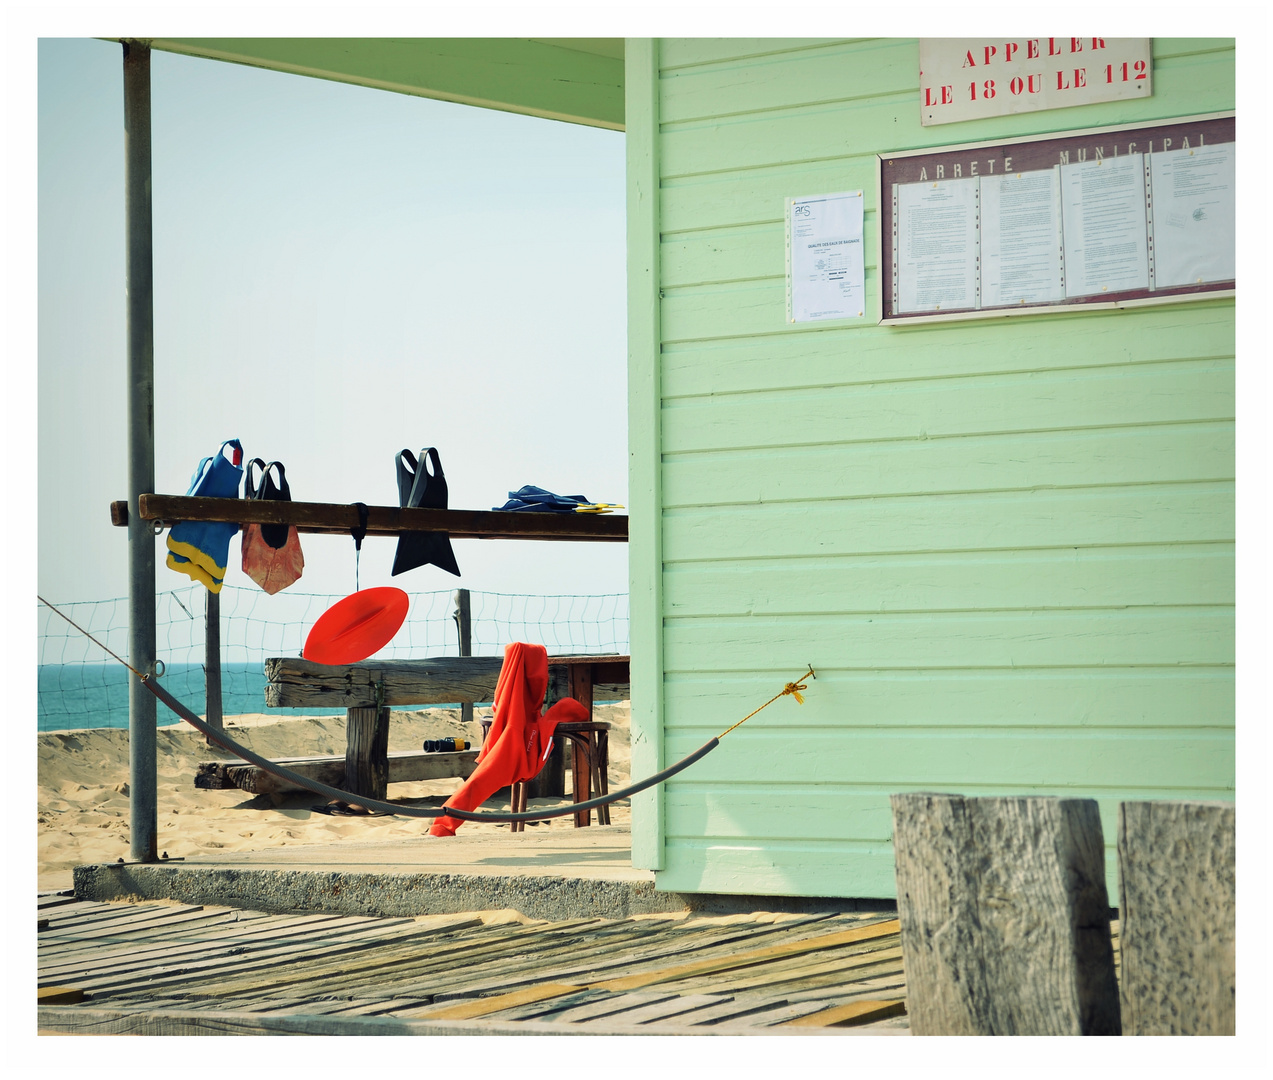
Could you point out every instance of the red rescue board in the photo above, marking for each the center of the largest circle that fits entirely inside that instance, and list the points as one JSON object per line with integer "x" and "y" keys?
{"x": 354, "y": 628}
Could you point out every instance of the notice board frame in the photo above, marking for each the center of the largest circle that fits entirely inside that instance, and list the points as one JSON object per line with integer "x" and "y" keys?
{"x": 1030, "y": 153}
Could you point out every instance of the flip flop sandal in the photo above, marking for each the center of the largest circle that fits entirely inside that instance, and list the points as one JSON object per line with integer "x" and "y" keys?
{"x": 345, "y": 810}
{"x": 324, "y": 808}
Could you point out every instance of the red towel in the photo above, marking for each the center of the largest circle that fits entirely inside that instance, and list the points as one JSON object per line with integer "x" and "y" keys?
{"x": 518, "y": 742}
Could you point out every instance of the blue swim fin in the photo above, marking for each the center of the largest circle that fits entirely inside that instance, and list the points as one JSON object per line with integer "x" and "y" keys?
{"x": 201, "y": 549}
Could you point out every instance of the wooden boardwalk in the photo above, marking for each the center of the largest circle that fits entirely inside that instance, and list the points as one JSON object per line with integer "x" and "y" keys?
{"x": 167, "y": 968}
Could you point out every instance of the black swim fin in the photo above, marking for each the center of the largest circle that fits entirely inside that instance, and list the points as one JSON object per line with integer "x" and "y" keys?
{"x": 418, "y": 488}
{"x": 265, "y": 488}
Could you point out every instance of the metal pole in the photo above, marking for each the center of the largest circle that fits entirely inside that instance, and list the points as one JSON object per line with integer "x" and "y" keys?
{"x": 142, "y": 787}
{"x": 212, "y": 662}
{"x": 464, "y": 623}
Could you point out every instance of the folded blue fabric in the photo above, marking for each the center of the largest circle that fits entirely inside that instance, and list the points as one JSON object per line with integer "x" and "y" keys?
{"x": 539, "y": 500}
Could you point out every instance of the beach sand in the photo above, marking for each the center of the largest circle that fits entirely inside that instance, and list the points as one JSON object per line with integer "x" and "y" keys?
{"x": 83, "y": 789}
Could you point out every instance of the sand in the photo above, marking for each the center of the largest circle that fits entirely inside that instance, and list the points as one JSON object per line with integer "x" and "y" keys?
{"x": 83, "y": 814}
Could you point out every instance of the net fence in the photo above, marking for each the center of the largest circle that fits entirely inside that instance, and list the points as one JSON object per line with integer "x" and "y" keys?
{"x": 79, "y": 686}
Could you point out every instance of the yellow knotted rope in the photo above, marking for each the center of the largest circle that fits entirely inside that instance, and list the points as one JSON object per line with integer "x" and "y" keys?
{"x": 792, "y": 688}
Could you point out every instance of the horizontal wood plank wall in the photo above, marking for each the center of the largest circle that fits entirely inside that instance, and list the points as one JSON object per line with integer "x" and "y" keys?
{"x": 1006, "y": 545}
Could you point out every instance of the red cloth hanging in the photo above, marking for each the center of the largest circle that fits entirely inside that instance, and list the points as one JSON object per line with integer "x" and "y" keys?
{"x": 518, "y": 742}
{"x": 273, "y": 568}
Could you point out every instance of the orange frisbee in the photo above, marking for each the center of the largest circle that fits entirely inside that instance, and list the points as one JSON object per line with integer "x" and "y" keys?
{"x": 357, "y": 626}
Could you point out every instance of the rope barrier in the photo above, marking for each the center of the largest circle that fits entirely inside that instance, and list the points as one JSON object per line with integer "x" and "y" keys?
{"x": 90, "y": 637}
{"x": 336, "y": 794}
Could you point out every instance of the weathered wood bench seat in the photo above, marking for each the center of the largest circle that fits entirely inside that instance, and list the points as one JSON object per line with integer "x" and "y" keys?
{"x": 404, "y": 766}
{"x": 367, "y": 690}
{"x": 444, "y": 680}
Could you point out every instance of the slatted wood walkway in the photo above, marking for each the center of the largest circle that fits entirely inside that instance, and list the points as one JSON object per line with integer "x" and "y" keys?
{"x": 172, "y": 968}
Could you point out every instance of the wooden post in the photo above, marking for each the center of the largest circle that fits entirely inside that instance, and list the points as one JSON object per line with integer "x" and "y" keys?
{"x": 212, "y": 662}
{"x": 337, "y": 519}
{"x": 581, "y": 685}
{"x": 1005, "y": 916}
{"x": 464, "y": 624}
{"x": 367, "y": 752}
{"x": 580, "y": 770}
{"x": 1177, "y": 917}
{"x": 550, "y": 783}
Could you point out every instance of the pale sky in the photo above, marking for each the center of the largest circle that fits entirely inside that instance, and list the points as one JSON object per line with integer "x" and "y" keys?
{"x": 340, "y": 273}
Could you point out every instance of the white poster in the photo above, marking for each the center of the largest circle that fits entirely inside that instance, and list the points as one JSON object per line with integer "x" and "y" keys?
{"x": 936, "y": 248}
{"x": 1021, "y": 239}
{"x": 1106, "y": 234}
{"x": 825, "y": 265}
{"x": 1194, "y": 220}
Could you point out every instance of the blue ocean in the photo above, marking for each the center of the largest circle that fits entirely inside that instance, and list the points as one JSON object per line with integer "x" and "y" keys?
{"x": 96, "y": 695}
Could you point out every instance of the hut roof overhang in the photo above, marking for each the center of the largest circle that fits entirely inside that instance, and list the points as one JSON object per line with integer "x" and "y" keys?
{"x": 577, "y": 80}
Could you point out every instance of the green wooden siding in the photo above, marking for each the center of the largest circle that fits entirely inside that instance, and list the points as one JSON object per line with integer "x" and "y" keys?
{"x": 1007, "y": 545}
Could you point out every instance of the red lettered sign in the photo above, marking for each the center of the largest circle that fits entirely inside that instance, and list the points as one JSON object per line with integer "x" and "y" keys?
{"x": 971, "y": 78}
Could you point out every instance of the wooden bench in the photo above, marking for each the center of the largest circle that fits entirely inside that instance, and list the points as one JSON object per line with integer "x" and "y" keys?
{"x": 404, "y": 766}
{"x": 367, "y": 690}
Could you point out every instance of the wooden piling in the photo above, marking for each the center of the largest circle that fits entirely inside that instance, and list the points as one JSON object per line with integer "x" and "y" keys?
{"x": 367, "y": 752}
{"x": 1005, "y": 916}
{"x": 212, "y": 663}
{"x": 1178, "y": 914}
{"x": 464, "y": 627}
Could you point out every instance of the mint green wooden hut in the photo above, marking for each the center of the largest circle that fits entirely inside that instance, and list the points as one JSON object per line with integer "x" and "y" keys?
{"x": 1006, "y": 545}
